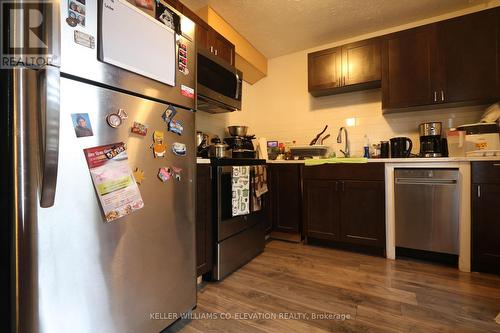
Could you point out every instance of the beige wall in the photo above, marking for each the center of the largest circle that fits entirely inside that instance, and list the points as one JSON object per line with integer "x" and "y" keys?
{"x": 279, "y": 107}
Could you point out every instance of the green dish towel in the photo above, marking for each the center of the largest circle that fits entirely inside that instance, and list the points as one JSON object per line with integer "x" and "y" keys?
{"x": 312, "y": 162}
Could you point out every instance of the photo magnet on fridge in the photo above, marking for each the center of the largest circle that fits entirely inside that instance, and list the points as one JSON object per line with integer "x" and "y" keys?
{"x": 82, "y": 125}
{"x": 169, "y": 114}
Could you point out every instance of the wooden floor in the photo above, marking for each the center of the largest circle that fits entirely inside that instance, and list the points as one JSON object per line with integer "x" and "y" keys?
{"x": 379, "y": 295}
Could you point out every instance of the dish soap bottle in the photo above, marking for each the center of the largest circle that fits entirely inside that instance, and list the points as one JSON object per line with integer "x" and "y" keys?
{"x": 366, "y": 148}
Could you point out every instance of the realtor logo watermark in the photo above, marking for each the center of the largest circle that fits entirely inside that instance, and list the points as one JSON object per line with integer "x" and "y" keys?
{"x": 26, "y": 32}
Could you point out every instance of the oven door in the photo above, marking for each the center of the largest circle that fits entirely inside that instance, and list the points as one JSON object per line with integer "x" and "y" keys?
{"x": 227, "y": 224}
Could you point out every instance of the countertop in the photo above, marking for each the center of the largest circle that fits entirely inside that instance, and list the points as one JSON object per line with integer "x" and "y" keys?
{"x": 388, "y": 160}
{"x": 407, "y": 160}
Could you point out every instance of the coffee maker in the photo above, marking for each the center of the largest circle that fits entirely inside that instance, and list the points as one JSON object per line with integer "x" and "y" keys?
{"x": 431, "y": 144}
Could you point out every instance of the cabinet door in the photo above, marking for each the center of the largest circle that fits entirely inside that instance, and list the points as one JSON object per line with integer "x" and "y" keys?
{"x": 286, "y": 197}
{"x": 469, "y": 58}
{"x": 202, "y": 36}
{"x": 363, "y": 212}
{"x": 324, "y": 69}
{"x": 222, "y": 47}
{"x": 361, "y": 62}
{"x": 204, "y": 249}
{"x": 485, "y": 228}
{"x": 409, "y": 61}
{"x": 321, "y": 209}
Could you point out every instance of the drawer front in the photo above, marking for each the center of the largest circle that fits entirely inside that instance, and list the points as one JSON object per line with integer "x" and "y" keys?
{"x": 346, "y": 171}
{"x": 486, "y": 172}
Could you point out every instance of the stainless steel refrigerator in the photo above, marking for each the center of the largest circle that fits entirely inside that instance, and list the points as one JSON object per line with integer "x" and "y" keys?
{"x": 72, "y": 270}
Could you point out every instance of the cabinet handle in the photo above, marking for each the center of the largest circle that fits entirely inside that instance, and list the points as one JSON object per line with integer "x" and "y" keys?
{"x": 442, "y": 95}
{"x": 496, "y": 164}
{"x": 435, "y": 96}
{"x": 215, "y": 51}
{"x": 336, "y": 186}
{"x": 479, "y": 191}
{"x": 211, "y": 49}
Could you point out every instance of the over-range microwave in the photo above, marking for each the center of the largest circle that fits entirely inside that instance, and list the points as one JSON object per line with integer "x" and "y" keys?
{"x": 218, "y": 84}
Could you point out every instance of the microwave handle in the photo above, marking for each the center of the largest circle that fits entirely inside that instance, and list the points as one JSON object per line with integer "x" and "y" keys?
{"x": 237, "y": 85}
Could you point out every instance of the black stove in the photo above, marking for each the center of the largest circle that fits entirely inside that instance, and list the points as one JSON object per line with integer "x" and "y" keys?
{"x": 236, "y": 161}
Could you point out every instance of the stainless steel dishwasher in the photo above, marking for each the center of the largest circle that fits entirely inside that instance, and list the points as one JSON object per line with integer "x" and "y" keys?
{"x": 427, "y": 211}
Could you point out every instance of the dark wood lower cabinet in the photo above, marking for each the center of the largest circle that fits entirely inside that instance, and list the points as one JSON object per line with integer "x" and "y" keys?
{"x": 485, "y": 217}
{"x": 321, "y": 213}
{"x": 345, "y": 204}
{"x": 362, "y": 206}
{"x": 204, "y": 255}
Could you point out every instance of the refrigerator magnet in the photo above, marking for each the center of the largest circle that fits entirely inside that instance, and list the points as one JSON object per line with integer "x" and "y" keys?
{"x": 138, "y": 176}
{"x": 175, "y": 127}
{"x": 115, "y": 119}
{"x": 139, "y": 128}
{"x": 159, "y": 148}
{"x": 113, "y": 181}
{"x": 164, "y": 174}
{"x": 82, "y": 125}
{"x": 179, "y": 149}
{"x": 169, "y": 114}
{"x": 187, "y": 91}
{"x": 177, "y": 173}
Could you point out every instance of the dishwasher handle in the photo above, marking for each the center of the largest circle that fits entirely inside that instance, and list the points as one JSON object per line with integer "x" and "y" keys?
{"x": 425, "y": 181}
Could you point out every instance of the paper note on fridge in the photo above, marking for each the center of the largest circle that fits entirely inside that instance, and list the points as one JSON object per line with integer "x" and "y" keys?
{"x": 113, "y": 180}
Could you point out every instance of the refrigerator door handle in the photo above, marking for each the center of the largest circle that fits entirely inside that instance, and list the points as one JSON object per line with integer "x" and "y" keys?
{"x": 49, "y": 134}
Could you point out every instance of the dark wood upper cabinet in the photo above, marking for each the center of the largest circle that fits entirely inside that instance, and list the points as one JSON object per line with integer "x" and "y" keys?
{"x": 468, "y": 57}
{"x": 345, "y": 68}
{"x": 324, "y": 70}
{"x": 321, "y": 213}
{"x": 363, "y": 212}
{"x": 453, "y": 61}
{"x": 202, "y": 35}
{"x": 206, "y": 37}
{"x": 221, "y": 47}
{"x": 409, "y": 68}
{"x": 485, "y": 221}
{"x": 204, "y": 255}
{"x": 285, "y": 197}
{"x": 361, "y": 62}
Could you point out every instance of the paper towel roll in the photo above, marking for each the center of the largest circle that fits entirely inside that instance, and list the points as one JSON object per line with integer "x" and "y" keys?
{"x": 262, "y": 148}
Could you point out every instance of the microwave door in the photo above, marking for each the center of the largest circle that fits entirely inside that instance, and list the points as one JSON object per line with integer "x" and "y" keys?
{"x": 219, "y": 84}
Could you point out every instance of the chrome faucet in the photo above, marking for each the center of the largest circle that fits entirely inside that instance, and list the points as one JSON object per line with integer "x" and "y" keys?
{"x": 339, "y": 140}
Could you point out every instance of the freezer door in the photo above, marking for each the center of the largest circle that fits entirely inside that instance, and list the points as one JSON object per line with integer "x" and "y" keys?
{"x": 133, "y": 274}
{"x": 81, "y": 46}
